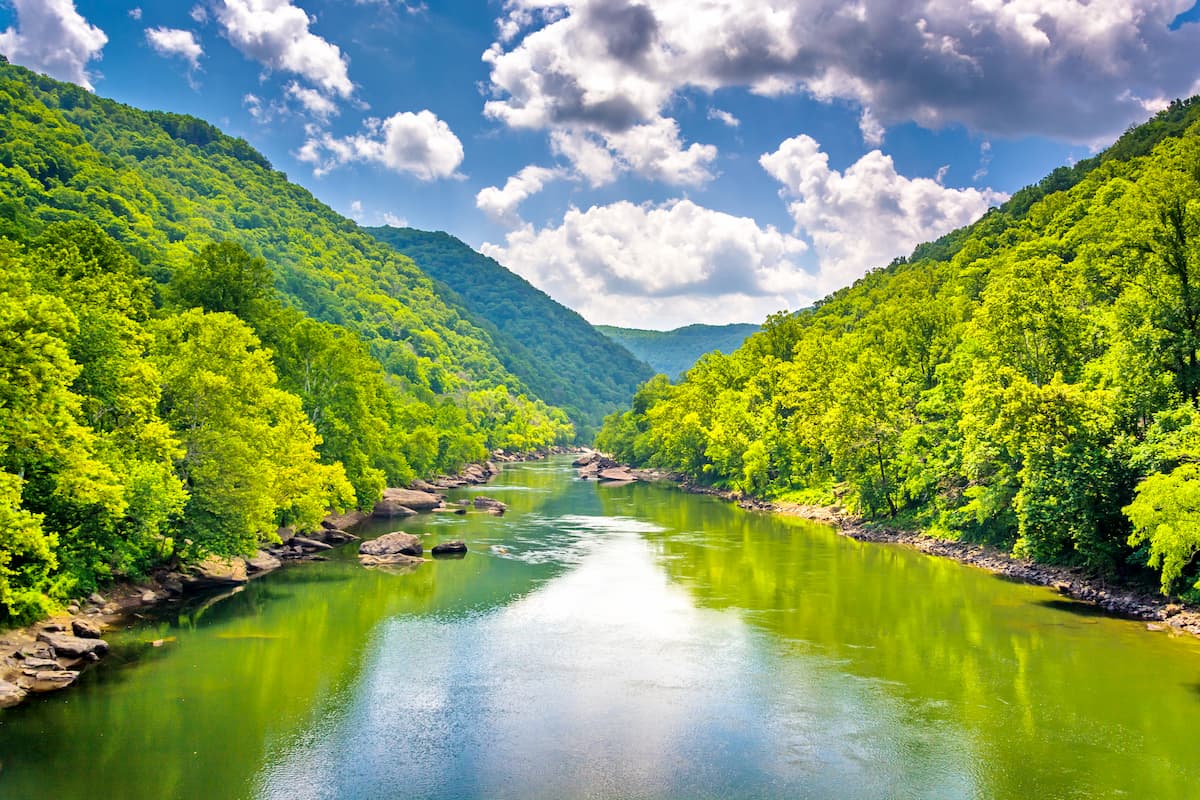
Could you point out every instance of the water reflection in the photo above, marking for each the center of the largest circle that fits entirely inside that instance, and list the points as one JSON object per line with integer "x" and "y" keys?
{"x": 623, "y": 642}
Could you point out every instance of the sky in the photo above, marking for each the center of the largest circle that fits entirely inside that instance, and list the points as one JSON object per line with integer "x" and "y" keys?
{"x": 649, "y": 163}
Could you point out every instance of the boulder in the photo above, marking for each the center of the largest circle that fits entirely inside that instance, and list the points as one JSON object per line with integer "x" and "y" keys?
{"x": 218, "y": 571}
{"x": 617, "y": 474}
{"x": 422, "y": 486}
{"x": 285, "y": 533}
{"x": 40, "y": 663}
{"x": 389, "y": 507}
{"x": 310, "y": 544}
{"x": 585, "y": 459}
{"x": 85, "y": 629}
{"x": 490, "y": 504}
{"x": 263, "y": 562}
{"x": 411, "y": 498}
{"x": 95, "y": 598}
{"x": 67, "y": 646}
{"x": 396, "y": 543}
{"x": 453, "y": 548}
{"x": 10, "y": 694}
{"x": 333, "y": 535}
{"x": 343, "y": 522}
{"x": 451, "y": 510}
{"x": 48, "y": 680}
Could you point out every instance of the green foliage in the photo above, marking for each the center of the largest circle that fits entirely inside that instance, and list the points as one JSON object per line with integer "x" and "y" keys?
{"x": 576, "y": 368}
{"x": 193, "y": 351}
{"x": 1028, "y": 381}
{"x": 674, "y": 352}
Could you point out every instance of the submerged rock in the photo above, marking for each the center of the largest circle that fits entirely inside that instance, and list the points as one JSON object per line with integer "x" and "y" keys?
{"x": 393, "y": 560}
{"x": 453, "y": 548}
{"x": 490, "y": 504}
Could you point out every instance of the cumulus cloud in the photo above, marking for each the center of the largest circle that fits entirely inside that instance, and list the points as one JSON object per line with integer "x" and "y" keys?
{"x": 500, "y": 204}
{"x": 660, "y": 265}
{"x": 311, "y": 100}
{"x": 276, "y": 34}
{"x": 175, "y": 42}
{"x": 724, "y": 117}
{"x": 1071, "y": 69}
{"x": 868, "y": 214}
{"x": 418, "y": 144}
{"x": 135, "y": 13}
{"x": 52, "y": 37}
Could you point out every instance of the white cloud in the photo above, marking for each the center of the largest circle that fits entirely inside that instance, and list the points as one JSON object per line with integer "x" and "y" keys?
{"x": 871, "y": 129}
{"x": 396, "y": 222}
{"x": 199, "y": 14}
{"x": 175, "y": 42}
{"x": 724, "y": 117}
{"x": 591, "y": 160}
{"x": 660, "y": 266}
{"x": 1072, "y": 69}
{"x": 135, "y": 13}
{"x": 418, "y": 144}
{"x": 356, "y": 210}
{"x": 276, "y": 34}
{"x": 313, "y": 101}
{"x": 52, "y": 37}
{"x": 500, "y": 204}
{"x": 654, "y": 151}
{"x": 868, "y": 214}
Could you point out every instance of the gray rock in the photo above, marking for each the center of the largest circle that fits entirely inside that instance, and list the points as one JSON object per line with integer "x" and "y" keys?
{"x": 490, "y": 504}
{"x": 343, "y": 522}
{"x": 85, "y": 629}
{"x": 217, "y": 571}
{"x": 40, "y": 663}
{"x": 68, "y": 646}
{"x": 51, "y": 680}
{"x": 263, "y": 562}
{"x": 396, "y": 543}
{"x": 389, "y": 507}
{"x": 413, "y": 499}
{"x": 310, "y": 544}
{"x": 617, "y": 474}
{"x": 96, "y": 599}
{"x": 10, "y": 694}
{"x": 455, "y": 547}
{"x": 149, "y": 597}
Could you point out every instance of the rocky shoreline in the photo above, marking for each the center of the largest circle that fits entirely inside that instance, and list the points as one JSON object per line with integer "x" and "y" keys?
{"x": 51, "y": 654}
{"x": 1159, "y": 613}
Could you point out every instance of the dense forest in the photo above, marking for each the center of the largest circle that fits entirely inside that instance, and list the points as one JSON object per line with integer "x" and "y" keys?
{"x": 194, "y": 351}
{"x": 554, "y": 351}
{"x": 1029, "y": 381}
{"x": 673, "y": 353}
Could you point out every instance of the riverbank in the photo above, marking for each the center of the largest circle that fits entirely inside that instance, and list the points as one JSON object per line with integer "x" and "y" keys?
{"x": 51, "y": 654}
{"x": 1160, "y": 613}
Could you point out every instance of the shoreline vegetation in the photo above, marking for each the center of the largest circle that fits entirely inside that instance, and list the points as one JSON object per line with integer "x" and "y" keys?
{"x": 1160, "y": 613}
{"x": 50, "y": 654}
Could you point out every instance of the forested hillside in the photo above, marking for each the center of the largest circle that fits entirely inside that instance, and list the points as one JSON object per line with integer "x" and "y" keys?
{"x": 553, "y": 350}
{"x": 674, "y": 352}
{"x": 194, "y": 351}
{"x": 1029, "y": 381}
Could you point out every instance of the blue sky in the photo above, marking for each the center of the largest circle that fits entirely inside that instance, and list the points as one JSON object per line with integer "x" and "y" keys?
{"x": 650, "y": 163}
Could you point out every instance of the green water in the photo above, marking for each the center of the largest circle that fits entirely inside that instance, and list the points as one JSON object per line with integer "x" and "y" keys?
{"x": 624, "y": 642}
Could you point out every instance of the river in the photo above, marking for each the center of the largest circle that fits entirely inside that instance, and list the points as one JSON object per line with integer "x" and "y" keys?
{"x": 623, "y": 642}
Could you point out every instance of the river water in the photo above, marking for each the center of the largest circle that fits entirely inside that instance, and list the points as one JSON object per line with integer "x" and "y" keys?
{"x": 623, "y": 642}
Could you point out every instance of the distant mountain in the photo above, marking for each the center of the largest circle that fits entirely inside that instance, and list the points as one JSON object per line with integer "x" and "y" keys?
{"x": 674, "y": 352}
{"x": 553, "y": 350}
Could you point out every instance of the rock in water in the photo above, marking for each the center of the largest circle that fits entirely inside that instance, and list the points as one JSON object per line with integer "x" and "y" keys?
{"x": 68, "y": 646}
{"x": 413, "y": 499}
{"x": 490, "y": 504}
{"x": 390, "y": 507}
{"x": 617, "y": 474}
{"x": 85, "y": 629}
{"x": 395, "y": 560}
{"x": 453, "y": 548}
{"x": 51, "y": 680}
{"x": 217, "y": 571}
{"x": 263, "y": 562}
{"x": 10, "y": 694}
{"x": 391, "y": 548}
